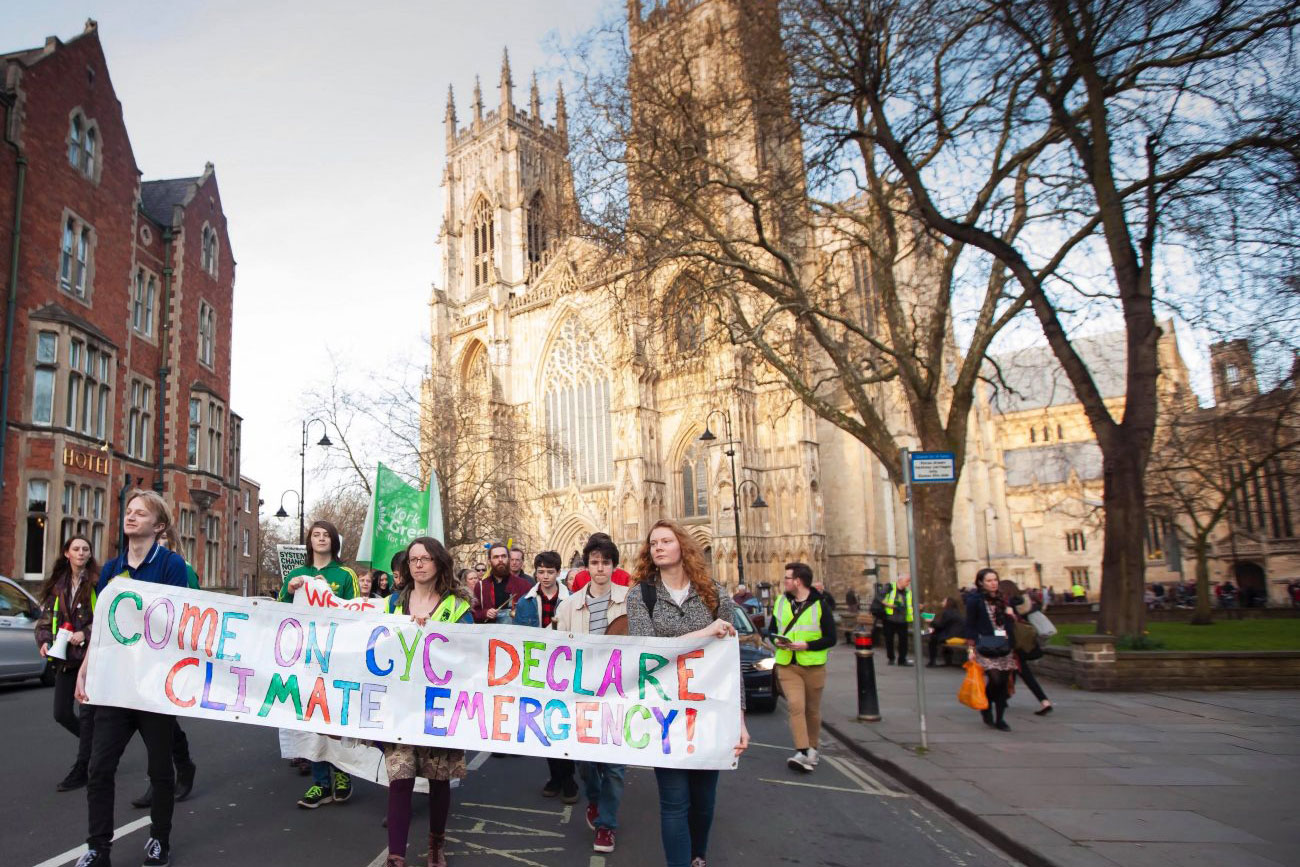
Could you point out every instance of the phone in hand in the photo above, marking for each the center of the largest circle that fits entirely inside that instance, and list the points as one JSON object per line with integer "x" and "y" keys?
{"x": 781, "y": 640}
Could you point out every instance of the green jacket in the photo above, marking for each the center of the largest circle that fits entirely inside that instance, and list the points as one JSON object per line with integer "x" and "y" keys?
{"x": 342, "y": 580}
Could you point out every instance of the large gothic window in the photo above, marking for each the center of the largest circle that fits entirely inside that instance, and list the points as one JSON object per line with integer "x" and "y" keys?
{"x": 483, "y": 243}
{"x": 578, "y": 428}
{"x": 695, "y": 483}
{"x": 537, "y": 238}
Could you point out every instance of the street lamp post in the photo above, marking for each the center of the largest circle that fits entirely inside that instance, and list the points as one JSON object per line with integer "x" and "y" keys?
{"x": 759, "y": 503}
{"x": 281, "y": 513}
{"x": 302, "y": 469}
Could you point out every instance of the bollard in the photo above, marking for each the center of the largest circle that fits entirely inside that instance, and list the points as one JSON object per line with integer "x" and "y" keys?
{"x": 868, "y": 701}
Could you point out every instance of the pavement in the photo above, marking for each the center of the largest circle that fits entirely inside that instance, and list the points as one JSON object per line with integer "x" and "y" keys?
{"x": 1184, "y": 778}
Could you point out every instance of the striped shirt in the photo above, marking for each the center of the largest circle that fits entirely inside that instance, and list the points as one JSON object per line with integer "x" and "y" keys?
{"x": 597, "y": 609}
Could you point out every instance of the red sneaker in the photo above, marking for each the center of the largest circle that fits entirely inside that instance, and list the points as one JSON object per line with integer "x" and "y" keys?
{"x": 592, "y": 812}
{"x": 604, "y": 840}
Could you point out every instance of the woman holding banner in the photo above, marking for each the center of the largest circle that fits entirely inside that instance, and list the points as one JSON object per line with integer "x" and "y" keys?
{"x": 429, "y": 592}
{"x": 674, "y": 597}
{"x": 68, "y": 600}
{"x": 323, "y": 544}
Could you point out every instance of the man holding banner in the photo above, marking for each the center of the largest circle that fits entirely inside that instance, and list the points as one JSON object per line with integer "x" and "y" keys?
{"x": 144, "y": 520}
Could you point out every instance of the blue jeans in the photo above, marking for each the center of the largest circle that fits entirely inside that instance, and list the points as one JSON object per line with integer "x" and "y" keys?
{"x": 322, "y": 774}
{"x": 686, "y": 801}
{"x": 604, "y": 785}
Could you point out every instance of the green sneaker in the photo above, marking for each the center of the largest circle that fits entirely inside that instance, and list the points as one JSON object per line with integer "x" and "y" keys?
{"x": 342, "y": 787}
{"x": 314, "y": 798}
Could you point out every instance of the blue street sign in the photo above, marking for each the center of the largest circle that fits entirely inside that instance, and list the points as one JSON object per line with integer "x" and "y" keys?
{"x": 929, "y": 468}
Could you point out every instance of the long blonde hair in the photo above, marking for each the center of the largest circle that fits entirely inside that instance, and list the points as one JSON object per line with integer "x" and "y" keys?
{"x": 697, "y": 573}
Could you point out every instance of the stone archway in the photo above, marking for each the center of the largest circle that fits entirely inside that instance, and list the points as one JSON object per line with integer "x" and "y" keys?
{"x": 1252, "y": 585}
{"x": 570, "y": 535}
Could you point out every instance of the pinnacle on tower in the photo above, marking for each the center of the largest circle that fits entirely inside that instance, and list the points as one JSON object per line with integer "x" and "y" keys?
{"x": 450, "y": 117}
{"x": 561, "y": 114}
{"x": 535, "y": 100}
{"x": 507, "y": 84}
{"x": 478, "y": 102}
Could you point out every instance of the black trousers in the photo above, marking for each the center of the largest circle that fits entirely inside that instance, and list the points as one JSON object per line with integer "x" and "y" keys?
{"x": 1027, "y": 675}
{"x": 82, "y": 722}
{"x": 180, "y": 745}
{"x": 114, "y": 728}
{"x": 561, "y": 769}
{"x": 896, "y": 634}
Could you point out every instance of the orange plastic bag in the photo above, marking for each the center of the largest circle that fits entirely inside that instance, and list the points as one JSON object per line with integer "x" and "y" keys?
{"x": 971, "y": 693}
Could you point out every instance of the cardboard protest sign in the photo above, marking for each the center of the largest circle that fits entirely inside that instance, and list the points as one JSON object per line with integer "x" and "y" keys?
{"x": 290, "y": 557}
{"x": 617, "y": 699}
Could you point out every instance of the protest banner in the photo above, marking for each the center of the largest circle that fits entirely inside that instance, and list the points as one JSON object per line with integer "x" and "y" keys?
{"x": 381, "y": 677}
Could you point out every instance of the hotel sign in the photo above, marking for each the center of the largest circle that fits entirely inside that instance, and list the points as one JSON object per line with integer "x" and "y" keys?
{"x": 95, "y": 462}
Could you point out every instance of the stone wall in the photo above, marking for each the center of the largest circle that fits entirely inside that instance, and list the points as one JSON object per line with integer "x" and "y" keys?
{"x": 1093, "y": 663}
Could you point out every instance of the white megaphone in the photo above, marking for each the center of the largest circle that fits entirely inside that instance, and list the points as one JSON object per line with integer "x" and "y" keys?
{"x": 59, "y": 650}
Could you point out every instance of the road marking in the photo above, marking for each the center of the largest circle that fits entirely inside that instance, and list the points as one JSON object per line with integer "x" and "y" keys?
{"x": 510, "y": 854}
{"x": 596, "y": 861}
{"x": 518, "y": 809}
{"x": 380, "y": 858}
{"x": 817, "y": 786}
{"x": 73, "y": 854}
{"x": 861, "y": 777}
{"x": 479, "y": 760}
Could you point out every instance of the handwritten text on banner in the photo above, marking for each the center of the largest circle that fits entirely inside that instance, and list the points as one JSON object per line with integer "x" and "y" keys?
{"x": 618, "y": 699}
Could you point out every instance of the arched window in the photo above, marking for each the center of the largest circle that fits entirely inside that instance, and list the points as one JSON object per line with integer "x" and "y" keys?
{"x": 483, "y": 243}
{"x": 209, "y": 250}
{"x": 695, "y": 483}
{"x": 82, "y": 142}
{"x": 75, "y": 135}
{"x": 577, "y": 403}
{"x": 537, "y": 234}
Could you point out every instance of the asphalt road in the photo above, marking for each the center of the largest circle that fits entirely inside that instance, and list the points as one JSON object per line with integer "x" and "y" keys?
{"x": 243, "y": 809}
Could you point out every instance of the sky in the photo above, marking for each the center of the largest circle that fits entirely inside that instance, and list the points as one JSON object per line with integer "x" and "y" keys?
{"x": 324, "y": 121}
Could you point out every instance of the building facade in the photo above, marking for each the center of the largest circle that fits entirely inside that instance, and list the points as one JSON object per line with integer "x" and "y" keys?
{"x": 118, "y": 327}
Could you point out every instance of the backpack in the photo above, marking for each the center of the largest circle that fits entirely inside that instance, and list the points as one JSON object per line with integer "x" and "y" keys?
{"x": 650, "y": 595}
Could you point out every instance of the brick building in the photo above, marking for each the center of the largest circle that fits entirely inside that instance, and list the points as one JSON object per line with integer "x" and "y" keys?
{"x": 117, "y": 324}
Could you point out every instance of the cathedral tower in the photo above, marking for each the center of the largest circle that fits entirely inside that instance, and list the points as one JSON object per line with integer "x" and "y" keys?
{"x": 507, "y": 186}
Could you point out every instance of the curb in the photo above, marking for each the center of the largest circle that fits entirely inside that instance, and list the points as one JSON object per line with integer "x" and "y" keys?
{"x": 970, "y": 819}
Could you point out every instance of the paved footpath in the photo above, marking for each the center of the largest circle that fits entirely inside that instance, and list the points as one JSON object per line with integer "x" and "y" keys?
{"x": 1133, "y": 779}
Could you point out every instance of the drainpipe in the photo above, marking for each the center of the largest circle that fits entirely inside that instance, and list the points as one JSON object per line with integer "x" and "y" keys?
{"x": 11, "y": 306}
{"x": 161, "y": 438}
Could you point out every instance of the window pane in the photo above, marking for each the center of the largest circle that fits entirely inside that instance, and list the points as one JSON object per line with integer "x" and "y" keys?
{"x": 38, "y": 494}
{"x": 34, "y": 561}
{"x": 43, "y": 397}
{"x": 89, "y": 165}
{"x": 47, "y": 347}
{"x": 74, "y": 143}
{"x": 74, "y": 400}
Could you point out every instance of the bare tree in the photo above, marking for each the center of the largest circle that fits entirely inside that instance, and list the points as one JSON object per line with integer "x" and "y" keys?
{"x": 424, "y": 424}
{"x": 1235, "y": 462}
{"x": 804, "y": 252}
{"x": 271, "y": 532}
{"x": 1146, "y": 134}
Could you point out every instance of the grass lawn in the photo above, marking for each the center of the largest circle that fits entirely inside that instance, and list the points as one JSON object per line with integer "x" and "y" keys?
{"x": 1222, "y": 635}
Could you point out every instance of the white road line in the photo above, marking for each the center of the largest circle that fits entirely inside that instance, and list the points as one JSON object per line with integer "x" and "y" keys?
{"x": 515, "y": 809}
{"x": 856, "y": 773}
{"x": 478, "y": 760}
{"x": 817, "y": 786}
{"x": 380, "y": 858}
{"x": 73, "y": 854}
{"x": 596, "y": 861}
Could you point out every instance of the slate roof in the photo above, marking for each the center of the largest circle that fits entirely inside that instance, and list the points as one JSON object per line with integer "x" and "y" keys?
{"x": 1051, "y": 465}
{"x": 1034, "y": 379}
{"x": 55, "y": 313}
{"x": 157, "y": 198}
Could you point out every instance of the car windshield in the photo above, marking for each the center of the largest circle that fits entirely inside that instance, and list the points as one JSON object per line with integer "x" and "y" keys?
{"x": 741, "y": 619}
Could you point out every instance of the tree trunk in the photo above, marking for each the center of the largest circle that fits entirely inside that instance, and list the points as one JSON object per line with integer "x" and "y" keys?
{"x": 1204, "y": 614}
{"x": 935, "y": 576}
{"x": 1123, "y": 559}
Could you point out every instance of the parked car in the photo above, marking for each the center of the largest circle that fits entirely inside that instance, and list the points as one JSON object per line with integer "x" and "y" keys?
{"x": 20, "y": 659}
{"x": 757, "y": 665}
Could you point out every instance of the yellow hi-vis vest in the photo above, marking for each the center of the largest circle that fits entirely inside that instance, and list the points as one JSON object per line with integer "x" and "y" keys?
{"x": 450, "y": 608}
{"x": 892, "y": 597}
{"x": 807, "y": 628}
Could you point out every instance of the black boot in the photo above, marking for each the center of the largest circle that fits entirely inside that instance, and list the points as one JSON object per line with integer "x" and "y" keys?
{"x": 184, "y": 780}
{"x": 1000, "y": 725}
{"x": 987, "y": 716}
{"x": 144, "y": 801}
{"x": 75, "y": 779}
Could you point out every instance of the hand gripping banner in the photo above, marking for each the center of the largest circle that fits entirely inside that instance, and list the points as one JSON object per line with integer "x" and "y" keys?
{"x": 381, "y": 677}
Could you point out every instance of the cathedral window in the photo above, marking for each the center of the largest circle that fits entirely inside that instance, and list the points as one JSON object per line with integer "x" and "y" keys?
{"x": 537, "y": 235}
{"x": 695, "y": 483}
{"x": 483, "y": 243}
{"x": 579, "y": 431}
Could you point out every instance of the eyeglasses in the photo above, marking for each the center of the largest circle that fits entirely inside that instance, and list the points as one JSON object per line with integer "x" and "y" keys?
{"x": 480, "y": 568}
{"x": 416, "y": 561}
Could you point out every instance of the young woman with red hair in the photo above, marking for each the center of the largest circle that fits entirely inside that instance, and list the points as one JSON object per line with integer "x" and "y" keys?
{"x": 674, "y": 597}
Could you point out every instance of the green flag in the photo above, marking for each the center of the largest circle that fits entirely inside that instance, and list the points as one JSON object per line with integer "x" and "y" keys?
{"x": 401, "y": 513}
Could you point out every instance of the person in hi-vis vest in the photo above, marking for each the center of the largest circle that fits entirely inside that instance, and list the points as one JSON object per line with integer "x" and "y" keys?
{"x": 803, "y": 630}
{"x": 898, "y": 616}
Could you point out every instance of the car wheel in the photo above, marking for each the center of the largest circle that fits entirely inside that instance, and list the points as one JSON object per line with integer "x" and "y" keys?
{"x": 47, "y": 676}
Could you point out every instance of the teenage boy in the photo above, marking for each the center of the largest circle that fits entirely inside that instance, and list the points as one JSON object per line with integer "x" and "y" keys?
{"x": 145, "y": 518}
{"x": 538, "y": 608}
{"x": 581, "y": 577}
{"x": 600, "y": 608}
{"x": 323, "y": 545}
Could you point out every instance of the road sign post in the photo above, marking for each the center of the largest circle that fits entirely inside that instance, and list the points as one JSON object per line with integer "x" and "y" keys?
{"x": 922, "y": 468}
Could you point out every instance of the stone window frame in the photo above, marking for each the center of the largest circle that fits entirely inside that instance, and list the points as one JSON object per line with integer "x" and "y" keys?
{"x": 207, "y": 334}
{"x": 45, "y": 369}
{"x": 83, "y": 140}
{"x": 139, "y": 424}
{"x": 76, "y": 265}
{"x": 143, "y": 304}
{"x": 576, "y": 406}
{"x": 209, "y": 250}
{"x": 89, "y": 368}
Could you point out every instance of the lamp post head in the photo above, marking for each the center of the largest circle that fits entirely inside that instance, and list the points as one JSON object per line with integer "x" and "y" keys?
{"x": 281, "y": 513}
{"x": 325, "y": 441}
{"x": 759, "y": 502}
{"x": 707, "y": 436}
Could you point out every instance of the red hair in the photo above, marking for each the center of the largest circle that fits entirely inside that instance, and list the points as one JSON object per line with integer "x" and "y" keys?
{"x": 644, "y": 569}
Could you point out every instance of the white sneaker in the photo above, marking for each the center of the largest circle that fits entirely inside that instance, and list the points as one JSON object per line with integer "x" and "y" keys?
{"x": 813, "y": 756}
{"x": 800, "y": 762}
